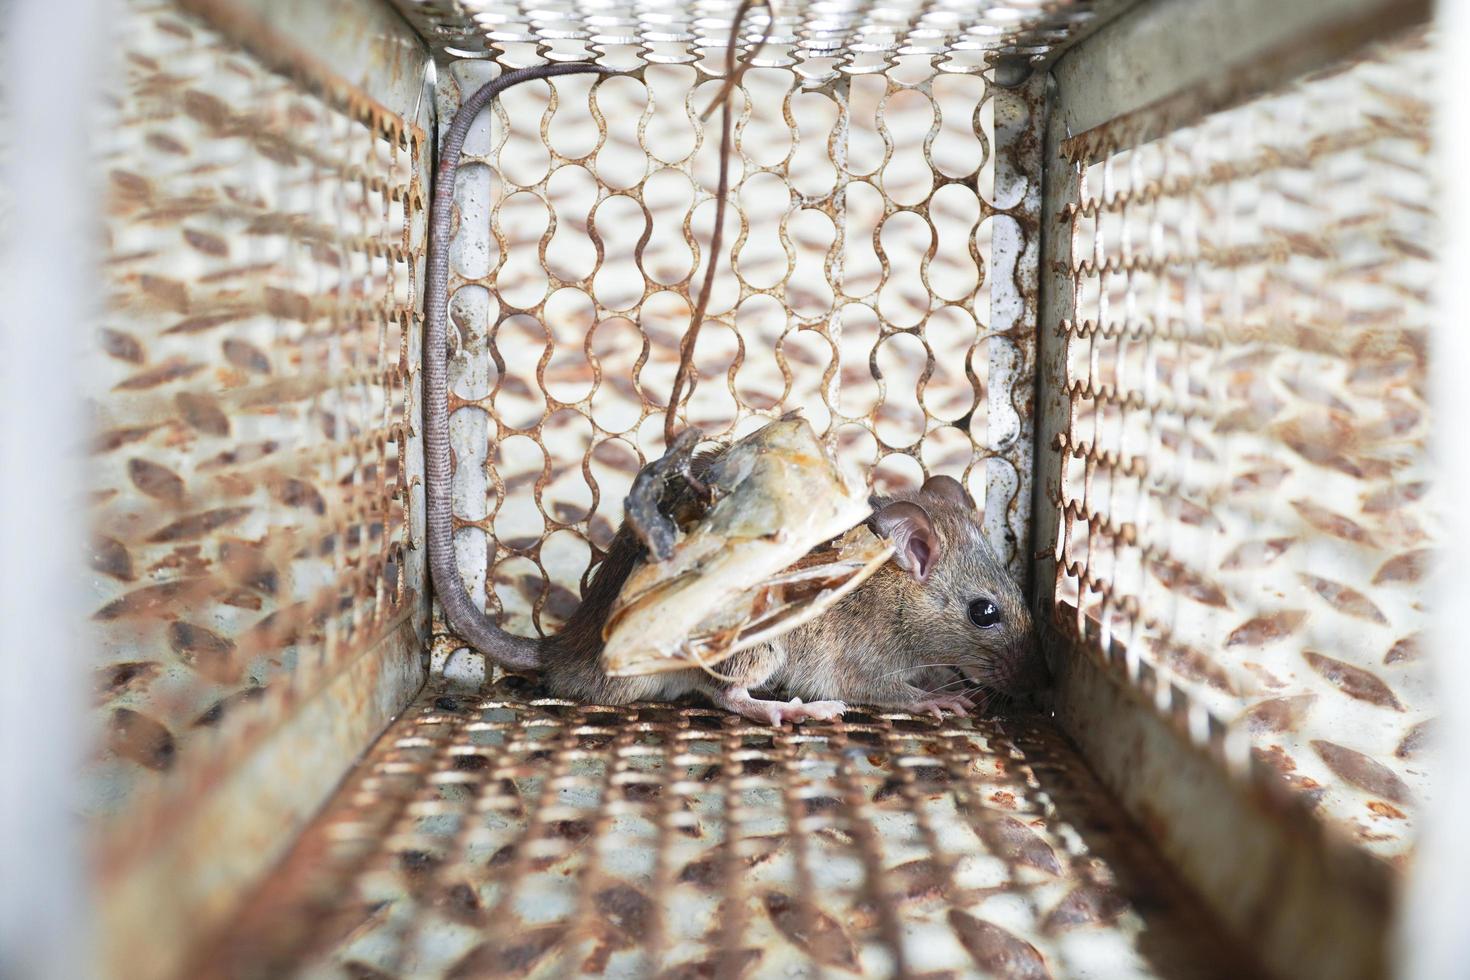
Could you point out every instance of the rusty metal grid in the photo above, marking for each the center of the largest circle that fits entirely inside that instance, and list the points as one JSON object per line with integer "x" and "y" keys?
{"x": 257, "y": 586}
{"x": 1245, "y": 503}
{"x": 820, "y": 38}
{"x": 857, "y": 285}
{"x": 506, "y": 835}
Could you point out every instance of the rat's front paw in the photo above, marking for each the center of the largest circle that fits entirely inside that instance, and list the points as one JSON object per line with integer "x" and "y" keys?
{"x": 938, "y": 704}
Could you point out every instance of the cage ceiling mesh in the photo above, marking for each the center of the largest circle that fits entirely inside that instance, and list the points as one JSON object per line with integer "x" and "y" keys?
{"x": 816, "y": 38}
{"x": 1247, "y": 506}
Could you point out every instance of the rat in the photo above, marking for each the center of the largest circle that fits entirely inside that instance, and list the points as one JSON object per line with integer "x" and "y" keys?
{"x": 939, "y": 622}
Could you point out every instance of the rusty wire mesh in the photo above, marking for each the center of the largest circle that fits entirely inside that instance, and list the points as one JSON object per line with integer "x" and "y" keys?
{"x": 255, "y": 372}
{"x": 856, "y": 286}
{"x": 502, "y": 834}
{"x": 1245, "y": 503}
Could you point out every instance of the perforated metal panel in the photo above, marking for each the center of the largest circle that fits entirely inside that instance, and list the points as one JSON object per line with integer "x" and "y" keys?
{"x": 259, "y": 348}
{"x": 573, "y": 269}
{"x": 255, "y": 454}
{"x": 1246, "y": 497}
{"x": 508, "y": 835}
{"x": 858, "y": 37}
{"x": 1234, "y": 517}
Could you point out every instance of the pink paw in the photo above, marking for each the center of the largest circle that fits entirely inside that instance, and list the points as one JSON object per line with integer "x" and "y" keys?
{"x": 815, "y": 710}
{"x": 778, "y": 713}
{"x": 938, "y": 704}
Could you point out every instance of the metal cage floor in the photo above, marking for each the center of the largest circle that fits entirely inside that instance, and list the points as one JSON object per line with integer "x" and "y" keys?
{"x": 511, "y": 835}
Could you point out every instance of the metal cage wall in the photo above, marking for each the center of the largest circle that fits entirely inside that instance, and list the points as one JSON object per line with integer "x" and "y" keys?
{"x": 1155, "y": 280}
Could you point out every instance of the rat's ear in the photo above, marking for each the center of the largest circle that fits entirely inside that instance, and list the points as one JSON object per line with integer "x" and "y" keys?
{"x": 947, "y": 488}
{"x": 915, "y": 545}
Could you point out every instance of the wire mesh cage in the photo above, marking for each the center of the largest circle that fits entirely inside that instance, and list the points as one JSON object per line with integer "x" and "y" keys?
{"x": 1166, "y": 311}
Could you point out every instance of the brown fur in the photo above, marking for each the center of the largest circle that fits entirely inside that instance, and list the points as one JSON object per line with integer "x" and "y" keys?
{"x": 893, "y": 641}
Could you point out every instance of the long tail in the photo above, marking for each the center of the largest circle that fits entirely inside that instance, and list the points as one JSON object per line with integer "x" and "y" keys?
{"x": 471, "y": 623}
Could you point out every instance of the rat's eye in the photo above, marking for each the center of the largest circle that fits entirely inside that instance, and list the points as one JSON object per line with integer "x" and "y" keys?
{"x": 984, "y": 613}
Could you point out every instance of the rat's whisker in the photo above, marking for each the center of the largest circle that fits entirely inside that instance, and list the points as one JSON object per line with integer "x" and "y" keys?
{"x": 982, "y": 699}
{"x": 955, "y": 683}
{"x": 998, "y": 699}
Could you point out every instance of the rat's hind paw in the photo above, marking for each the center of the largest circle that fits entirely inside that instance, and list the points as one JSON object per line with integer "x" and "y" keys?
{"x": 776, "y": 713}
{"x": 938, "y": 704}
{"x": 814, "y": 710}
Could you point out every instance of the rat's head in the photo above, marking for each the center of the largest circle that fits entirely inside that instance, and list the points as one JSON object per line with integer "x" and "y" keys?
{"x": 960, "y": 604}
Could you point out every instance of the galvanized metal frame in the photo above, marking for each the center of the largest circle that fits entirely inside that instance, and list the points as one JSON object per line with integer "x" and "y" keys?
{"x": 1315, "y": 905}
{"x": 1015, "y": 296}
